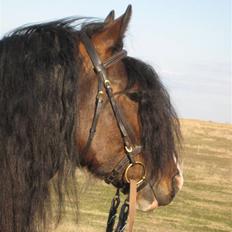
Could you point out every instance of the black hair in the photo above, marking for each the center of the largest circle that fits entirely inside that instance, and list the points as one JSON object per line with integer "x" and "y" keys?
{"x": 161, "y": 134}
{"x": 39, "y": 73}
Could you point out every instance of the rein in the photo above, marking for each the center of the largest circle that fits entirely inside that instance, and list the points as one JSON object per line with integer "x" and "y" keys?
{"x": 119, "y": 175}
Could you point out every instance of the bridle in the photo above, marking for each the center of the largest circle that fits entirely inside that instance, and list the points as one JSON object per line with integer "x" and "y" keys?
{"x": 119, "y": 175}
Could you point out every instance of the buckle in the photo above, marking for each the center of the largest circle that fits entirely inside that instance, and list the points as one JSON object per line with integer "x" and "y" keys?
{"x": 129, "y": 149}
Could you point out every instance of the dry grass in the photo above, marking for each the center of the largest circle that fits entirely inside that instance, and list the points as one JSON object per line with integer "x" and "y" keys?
{"x": 204, "y": 204}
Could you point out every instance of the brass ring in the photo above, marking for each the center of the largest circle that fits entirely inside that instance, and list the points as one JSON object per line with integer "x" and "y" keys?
{"x": 131, "y": 165}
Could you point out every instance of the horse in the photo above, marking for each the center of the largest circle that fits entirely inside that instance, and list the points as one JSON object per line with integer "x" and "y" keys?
{"x": 70, "y": 98}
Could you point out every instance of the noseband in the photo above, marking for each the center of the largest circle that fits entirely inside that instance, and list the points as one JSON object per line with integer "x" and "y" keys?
{"x": 119, "y": 175}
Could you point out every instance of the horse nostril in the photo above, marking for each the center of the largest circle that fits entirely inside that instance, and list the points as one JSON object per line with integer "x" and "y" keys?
{"x": 173, "y": 194}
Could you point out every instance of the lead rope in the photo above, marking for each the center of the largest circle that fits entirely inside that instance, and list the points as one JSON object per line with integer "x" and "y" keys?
{"x": 113, "y": 211}
{"x": 128, "y": 211}
{"x": 132, "y": 203}
{"x": 123, "y": 217}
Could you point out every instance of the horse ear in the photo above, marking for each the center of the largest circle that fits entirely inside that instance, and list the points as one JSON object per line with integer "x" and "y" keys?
{"x": 110, "y": 17}
{"x": 125, "y": 19}
{"x": 112, "y": 33}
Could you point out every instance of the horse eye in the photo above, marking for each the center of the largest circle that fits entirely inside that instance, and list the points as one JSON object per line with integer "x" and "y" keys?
{"x": 134, "y": 96}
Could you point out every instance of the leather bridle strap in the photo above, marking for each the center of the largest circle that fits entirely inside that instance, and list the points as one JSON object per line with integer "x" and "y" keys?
{"x": 114, "y": 59}
{"x": 101, "y": 71}
{"x": 97, "y": 110}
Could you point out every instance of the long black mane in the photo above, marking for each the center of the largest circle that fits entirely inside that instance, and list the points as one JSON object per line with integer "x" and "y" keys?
{"x": 39, "y": 73}
{"x": 160, "y": 127}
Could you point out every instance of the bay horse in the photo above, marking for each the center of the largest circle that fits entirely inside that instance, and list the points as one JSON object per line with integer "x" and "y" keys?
{"x": 51, "y": 121}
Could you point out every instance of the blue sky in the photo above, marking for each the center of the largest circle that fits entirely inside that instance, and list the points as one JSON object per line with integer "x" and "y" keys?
{"x": 187, "y": 41}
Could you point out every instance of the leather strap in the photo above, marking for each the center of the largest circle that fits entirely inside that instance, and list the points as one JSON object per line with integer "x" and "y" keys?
{"x": 97, "y": 111}
{"x": 101, "y": 71}
{"x": 97, "y": 64}
{"x": 114, "y": 59}
{"x": 132, "y": 204}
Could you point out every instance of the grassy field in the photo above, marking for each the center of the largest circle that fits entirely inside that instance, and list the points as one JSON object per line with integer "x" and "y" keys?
{"x": 204, "y": 204}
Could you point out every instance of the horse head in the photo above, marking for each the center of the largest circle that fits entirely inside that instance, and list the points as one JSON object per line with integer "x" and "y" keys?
{"x": 70, "y": 97}
{"x": 145, "y": 109}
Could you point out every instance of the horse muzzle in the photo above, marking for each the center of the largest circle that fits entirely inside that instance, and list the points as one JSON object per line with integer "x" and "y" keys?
{"x": 161, "y": 194}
